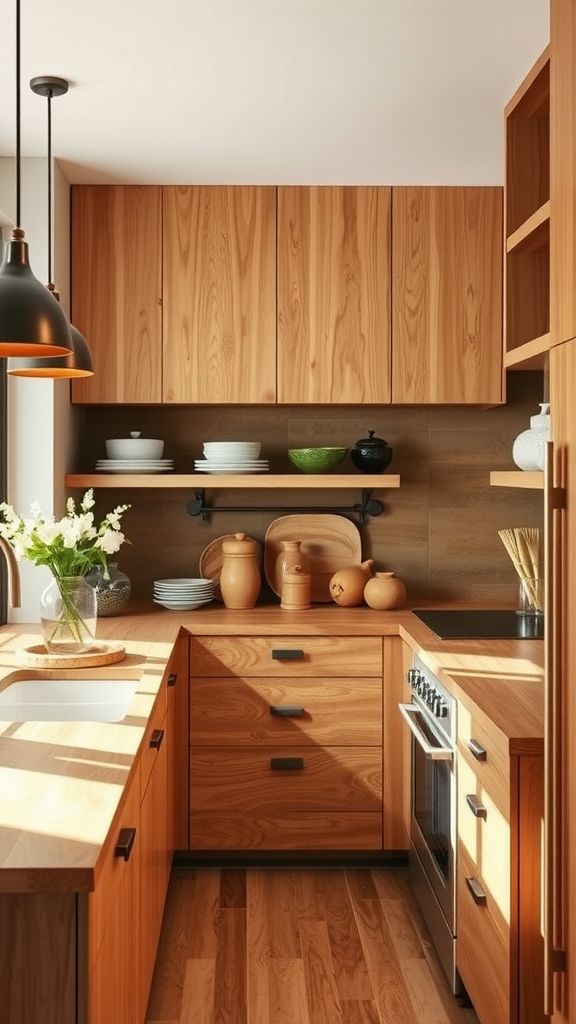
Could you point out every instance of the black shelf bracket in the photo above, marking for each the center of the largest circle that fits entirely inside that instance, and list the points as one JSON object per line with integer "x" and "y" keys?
{"x": 368, "y": 506}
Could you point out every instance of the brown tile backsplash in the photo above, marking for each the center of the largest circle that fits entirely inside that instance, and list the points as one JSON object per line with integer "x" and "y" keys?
{"x": 438, "y": 531}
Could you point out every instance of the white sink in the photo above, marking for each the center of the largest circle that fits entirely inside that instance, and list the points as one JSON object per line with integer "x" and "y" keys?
{"x": 67, "y": 700}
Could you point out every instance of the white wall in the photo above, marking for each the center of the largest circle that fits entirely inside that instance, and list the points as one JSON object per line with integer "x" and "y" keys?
{"x": 38, "y": 410}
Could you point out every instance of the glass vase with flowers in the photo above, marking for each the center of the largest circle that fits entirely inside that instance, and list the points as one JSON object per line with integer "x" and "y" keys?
{"x": 69, "y": 547}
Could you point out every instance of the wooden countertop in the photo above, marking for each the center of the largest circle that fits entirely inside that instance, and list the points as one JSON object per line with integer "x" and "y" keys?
{"x": 61, "y": 783}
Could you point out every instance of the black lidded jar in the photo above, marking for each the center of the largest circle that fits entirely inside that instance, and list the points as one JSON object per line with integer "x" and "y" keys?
{"x": 371, "y": 454}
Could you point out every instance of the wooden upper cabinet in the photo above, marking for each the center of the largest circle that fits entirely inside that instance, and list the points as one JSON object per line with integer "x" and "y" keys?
{"x": 334, "y": 294}
{"x": 562, "y": 171}
{"x": 447, "y": 295}
{"x": 116, "y": 290}
{"x": 219, "y": 294}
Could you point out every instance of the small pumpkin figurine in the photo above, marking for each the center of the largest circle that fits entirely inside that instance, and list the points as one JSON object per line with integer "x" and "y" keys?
{"x": 347, "y": 585}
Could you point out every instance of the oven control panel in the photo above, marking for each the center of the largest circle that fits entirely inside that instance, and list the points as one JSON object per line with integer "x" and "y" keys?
{"x": 429, "y": 692}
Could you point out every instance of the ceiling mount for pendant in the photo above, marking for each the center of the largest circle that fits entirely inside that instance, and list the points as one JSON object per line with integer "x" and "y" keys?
{"x": 31, "y": 322}
{"x": 77, "y": 362}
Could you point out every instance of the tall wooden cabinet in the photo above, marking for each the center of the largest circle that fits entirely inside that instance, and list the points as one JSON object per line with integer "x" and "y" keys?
{"x": 117, "y": 290}
{"x": 219, "y": 294}
{"x": 563, "y": 171}
{"x": 334, "y": 294}
{"x": 446, "y": 295}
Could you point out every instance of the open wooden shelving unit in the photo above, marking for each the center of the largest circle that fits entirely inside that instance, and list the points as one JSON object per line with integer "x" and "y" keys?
{"x": 517, "y": 478}
{"x": 260, "y": 481}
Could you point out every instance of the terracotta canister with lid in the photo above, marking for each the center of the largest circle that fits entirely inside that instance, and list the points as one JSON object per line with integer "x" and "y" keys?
{"x": 240, "y": 577}
{"x": 384, "y": 591}
{"x": 295, "y": 589}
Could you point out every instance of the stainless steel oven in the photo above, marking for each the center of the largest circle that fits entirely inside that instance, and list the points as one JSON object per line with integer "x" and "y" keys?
{"x": 431, "y": 718}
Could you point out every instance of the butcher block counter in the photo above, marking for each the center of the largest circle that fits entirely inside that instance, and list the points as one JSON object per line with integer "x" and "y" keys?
{"x": 62, "y": 783}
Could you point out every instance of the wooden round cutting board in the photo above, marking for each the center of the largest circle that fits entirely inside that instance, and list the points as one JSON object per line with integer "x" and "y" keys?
{"x": 331, "y": 542}
{"x": 100, "y": 654}
{"x": 210, "y": 563}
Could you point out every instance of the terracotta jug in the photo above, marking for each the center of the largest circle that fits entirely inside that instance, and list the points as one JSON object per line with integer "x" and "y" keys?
{"x": 347, "y": 585}
{"x": 295, "y": 589}
{"x": 240, "y": 577}
{"x": 384, "y": 591}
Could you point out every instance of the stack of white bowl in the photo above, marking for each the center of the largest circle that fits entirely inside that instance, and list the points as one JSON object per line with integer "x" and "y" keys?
{"x": 134, "y": 454}
{"x": 231, "y": 457}
{"x": 183, "y": 594}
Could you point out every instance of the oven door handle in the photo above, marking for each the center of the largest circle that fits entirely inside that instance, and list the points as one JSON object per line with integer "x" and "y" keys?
{"x": 439, "y": 753}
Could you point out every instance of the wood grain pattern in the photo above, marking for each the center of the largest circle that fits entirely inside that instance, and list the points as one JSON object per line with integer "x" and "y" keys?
{"x": 219, "y": 302}
{"x": 562, "y": 172}
{"x": 237, "y": 711}
{"x": 286, "y": 830}
{"x": 252, "y": 656}
{"x": 310, "y": 947}
{"x": 446, "y": 294}
{"x": 333, "y": 294}
{"x": 116, "y": 290}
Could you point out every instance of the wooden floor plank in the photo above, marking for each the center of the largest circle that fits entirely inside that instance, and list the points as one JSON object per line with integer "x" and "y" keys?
{"x": 287, "y": 987}
{"x": 198, "y": 994}
{"x": 390, "y": 992}
{"x": 359, "y": 1011}
{"x": 321, "y": 988}
{"x": 168, "y": 980}
{"x": 204, "y": 911}
{"x": 351, "y": 972}
{"x": 257, "y": 950}
{"x": 427, "y": 1004}
{"x": 230, "y": 994}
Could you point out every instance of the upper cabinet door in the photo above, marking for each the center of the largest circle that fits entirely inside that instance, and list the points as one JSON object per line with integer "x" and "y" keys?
{"x": 447, "y": 295}
{"x": 334, "y": 294}
{"x": 116, "y": 290}
{"x": 219, "y": 294}
{"x": 562, "y": 171}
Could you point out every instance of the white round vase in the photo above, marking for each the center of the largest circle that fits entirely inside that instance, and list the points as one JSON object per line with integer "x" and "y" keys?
{"x": 529, "y": 448}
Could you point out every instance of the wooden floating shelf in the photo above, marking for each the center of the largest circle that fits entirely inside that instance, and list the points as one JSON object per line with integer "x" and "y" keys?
{"x": 517, "y": 478}
{"x": 259, "y": 481}
{"x": 533, "y": 355}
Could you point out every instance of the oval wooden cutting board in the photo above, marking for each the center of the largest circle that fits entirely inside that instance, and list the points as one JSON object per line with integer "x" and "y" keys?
{"x": 331, "y": 542}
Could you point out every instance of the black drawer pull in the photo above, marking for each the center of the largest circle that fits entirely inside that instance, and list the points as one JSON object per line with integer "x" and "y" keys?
{"x": 478, "y": 894}
{"x": 477, "y": 750}
{"x": 286, "y": 763}
{"x": 156, "y": 738}
{"x": 286, "y": 711}
{"x": 287, "y": 655}
{"x": 125, "y": 843}
{"x": 478, "y": 809}
{"x": 172, "y": 679}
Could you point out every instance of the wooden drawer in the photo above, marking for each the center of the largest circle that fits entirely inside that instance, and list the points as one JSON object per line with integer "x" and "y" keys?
{"x": 349, "y": 830}
{"x": 286, "y": 778}
{"x": 483, "y": 950}
{"x": 484, "y": 833}
{"x": 112, "y": 869}
{"x": 260, "y": 712}
{"x": 492, "y": 769}
{"x": 287, "y": 656}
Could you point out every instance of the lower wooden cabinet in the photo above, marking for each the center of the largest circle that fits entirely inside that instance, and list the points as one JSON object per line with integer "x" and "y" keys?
{"x": 500, "y": 810}
{"x": 288, "y": 750}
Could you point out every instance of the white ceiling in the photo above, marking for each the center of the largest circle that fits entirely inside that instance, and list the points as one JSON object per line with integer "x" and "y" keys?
{"x": 270, "y": 91}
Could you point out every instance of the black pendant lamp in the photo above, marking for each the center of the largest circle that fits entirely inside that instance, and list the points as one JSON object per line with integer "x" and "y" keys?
{"x": 77, "y": 362}
{"x": 31, "y": 322}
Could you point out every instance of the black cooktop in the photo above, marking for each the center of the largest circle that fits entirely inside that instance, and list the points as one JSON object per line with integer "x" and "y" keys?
{"x": 481, "y": 624}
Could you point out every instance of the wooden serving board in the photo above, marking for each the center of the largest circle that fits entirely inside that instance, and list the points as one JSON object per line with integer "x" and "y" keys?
{"x": 210, "y": 563}
{"x": 331, "y": 542}
{"x": 100, "y": 654}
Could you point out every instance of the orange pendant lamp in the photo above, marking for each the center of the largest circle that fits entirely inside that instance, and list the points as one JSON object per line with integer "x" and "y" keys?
{"x": 77, "y": 362}
{"x": 31, "y": 322}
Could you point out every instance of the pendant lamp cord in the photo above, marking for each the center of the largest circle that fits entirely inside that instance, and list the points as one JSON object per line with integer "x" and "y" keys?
{"x": 49, "y": 98}
{"x": 18, "y": 113}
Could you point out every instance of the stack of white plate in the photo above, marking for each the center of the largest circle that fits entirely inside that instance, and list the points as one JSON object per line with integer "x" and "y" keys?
{"x": 183, "y": 594}
{"x": 231, "y": 457}
{"x": 134, "y": 465}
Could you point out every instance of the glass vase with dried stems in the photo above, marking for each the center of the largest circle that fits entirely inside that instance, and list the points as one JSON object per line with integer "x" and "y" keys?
{"x": 523, "y": 546}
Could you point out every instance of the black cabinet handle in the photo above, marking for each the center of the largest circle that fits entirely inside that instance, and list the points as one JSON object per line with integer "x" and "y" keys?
{"x": 156, "y": 738}
{"x": 477, "y": 750}
{"x": 172, "y": 679}
{"x": 478, "y": 809}
{"x": 125, "y": 843}
{"x": 478, "y": 894}
{"x": 286, "y": 763}
{"x": 286, "y": 711}
{"x": 293, "y": 654}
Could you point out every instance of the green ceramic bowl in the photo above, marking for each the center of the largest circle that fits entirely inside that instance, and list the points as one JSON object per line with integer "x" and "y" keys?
{"x": 317, "y": 460}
